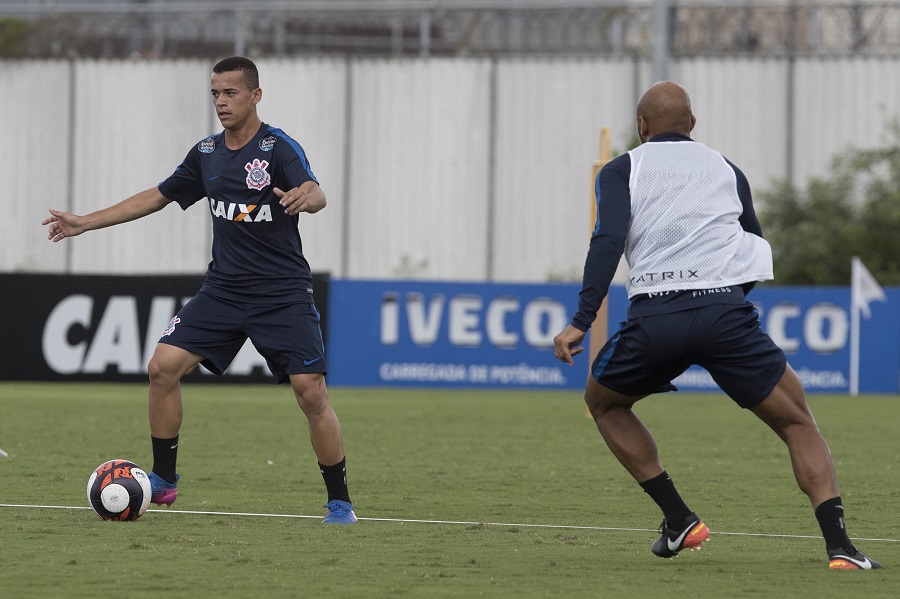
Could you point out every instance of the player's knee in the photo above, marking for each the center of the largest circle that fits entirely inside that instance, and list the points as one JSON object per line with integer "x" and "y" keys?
{"x": 160, "y": 372}
{"x": 312, "y": 403}
{"x": 310, "y": 393}
{"x": 165, "y": 369}
{"x": 785, "y": 407}
{"x": 786, "y": 415}
{"x": 601, "y": 400}
{"x": 595, "y": 407}
{"x": 598, "y": 403}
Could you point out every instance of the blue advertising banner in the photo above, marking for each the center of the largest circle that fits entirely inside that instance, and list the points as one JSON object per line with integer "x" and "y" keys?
{"x": 430, "y": 334}
{"x": 813, "y": 327}
{"x": 440, "y": 334}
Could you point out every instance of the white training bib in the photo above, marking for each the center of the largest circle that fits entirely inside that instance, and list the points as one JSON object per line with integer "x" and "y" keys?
{"x": 684, "y": 231}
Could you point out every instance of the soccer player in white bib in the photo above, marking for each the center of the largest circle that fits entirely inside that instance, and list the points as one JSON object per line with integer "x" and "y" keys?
{"x": 683, "y": 216}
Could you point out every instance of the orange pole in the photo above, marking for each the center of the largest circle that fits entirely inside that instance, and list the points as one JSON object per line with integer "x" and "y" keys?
{"x": 600, "y": 328}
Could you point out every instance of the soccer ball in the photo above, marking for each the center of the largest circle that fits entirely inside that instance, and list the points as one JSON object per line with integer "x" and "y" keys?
{"x": 119, "y": 490}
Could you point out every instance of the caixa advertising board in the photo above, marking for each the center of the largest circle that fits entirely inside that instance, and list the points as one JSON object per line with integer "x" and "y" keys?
{"x": 441, "y": 334}
{"x": 90, "y": 328}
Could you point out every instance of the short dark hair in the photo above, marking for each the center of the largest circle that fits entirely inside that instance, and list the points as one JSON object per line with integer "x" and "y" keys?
{"x": 239, "y": 63}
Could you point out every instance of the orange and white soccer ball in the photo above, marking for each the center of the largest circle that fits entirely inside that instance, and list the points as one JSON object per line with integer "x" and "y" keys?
{"x": 119, "y": 490}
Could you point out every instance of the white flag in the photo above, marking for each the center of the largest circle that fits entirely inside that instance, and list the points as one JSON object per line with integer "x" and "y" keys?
{"x": 864, "y": 289}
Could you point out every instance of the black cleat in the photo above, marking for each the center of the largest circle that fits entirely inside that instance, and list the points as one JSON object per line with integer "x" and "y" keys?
{"x": 690, "y": 536}
{"x": 841, "y": 559}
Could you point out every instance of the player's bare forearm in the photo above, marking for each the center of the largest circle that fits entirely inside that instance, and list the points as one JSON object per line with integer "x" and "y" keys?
{"x": 64, "y": 224}
{"x": 137, "y": 206}
{"x": 309, "y": 197}
{"x": 568, "y": 344}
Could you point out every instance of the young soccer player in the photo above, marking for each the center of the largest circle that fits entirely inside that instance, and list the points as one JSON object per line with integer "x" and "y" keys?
{"x": 257, "y": 181}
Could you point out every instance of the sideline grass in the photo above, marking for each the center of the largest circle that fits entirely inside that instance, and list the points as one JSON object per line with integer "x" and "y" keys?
{"x": 514, "y": 457}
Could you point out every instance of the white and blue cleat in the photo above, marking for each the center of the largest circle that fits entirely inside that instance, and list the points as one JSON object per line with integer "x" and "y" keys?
{"x": 339, "y": 512}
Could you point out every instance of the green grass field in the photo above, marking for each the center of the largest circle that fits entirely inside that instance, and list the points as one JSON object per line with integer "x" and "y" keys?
{"x": 523, "y": 498}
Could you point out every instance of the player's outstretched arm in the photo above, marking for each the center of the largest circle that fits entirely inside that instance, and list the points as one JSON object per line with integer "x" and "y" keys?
{"x": 64, "y": 224}
{"x": 309, "y": 197}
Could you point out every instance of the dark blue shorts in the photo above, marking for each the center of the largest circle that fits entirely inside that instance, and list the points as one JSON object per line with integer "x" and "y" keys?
{"x": 647, "y": 353}
{"x": 287, "y": 336}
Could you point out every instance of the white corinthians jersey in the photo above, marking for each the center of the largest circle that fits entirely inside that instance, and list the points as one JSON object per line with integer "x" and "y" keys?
{"x": 684, "y": 231}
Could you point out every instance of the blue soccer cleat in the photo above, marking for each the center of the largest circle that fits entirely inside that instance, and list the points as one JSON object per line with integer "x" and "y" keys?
{"x": 162, "y": 492}
{"x": 339, "y": 512}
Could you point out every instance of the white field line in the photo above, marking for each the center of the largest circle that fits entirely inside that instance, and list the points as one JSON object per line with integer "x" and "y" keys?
{"x": 414, "y": 521}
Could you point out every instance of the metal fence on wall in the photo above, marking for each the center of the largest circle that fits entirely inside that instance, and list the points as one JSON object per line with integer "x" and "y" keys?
{"x": 461, "y": 28}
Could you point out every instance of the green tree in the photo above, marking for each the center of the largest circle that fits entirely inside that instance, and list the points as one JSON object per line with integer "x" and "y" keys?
{"x": 13, "y": 37}
{"x": 855, "y": 211}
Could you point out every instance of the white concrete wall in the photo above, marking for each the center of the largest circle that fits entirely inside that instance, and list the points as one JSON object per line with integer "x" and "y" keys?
{"x": 741, "y": 111}
{"x": 307, "y": 100}
{"x": 549, "y": 118}
{"x": 842, "y": 102}
{"x": 34, "y": 121}
{"x": 133, "y": 124}
{"x": 407, "y": 152}
{"x": 419, "y": 169}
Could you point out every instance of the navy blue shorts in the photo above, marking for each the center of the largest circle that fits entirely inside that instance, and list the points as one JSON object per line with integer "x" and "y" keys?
{"x": 647, "y": 353}
{"x": 287, "y": 336}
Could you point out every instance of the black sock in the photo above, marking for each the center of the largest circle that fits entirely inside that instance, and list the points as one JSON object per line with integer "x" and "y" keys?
{"x": 830, "y": 514}
{"x": 336, "y": 480}
{"x": 165, "y": 454}
{"x": 662, "y": 490}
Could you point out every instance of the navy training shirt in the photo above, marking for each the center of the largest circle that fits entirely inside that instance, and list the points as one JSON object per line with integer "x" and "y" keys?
{"x": 613, "y": 196}
{"x": 257, "y": 253}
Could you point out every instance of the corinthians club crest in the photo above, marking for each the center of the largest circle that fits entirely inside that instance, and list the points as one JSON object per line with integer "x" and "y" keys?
{"x": 257, "y": 177}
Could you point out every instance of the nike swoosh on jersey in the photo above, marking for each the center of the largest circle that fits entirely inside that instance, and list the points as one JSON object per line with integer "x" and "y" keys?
{"x": 308, "y": 362}
{"x": 212, "y": 178}
{"x": 673, "y": 546}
